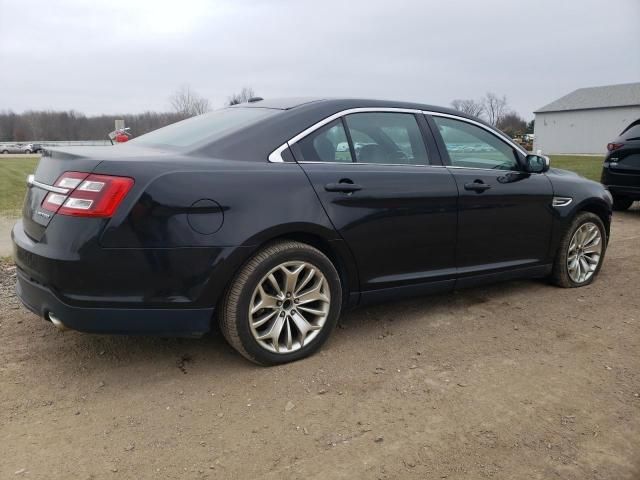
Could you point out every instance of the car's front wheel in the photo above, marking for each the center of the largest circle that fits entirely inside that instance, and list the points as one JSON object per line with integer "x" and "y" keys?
{"x": 27, "y": 152}
{"x": 581, "y": 252}
{"x": 621, "y": 203}
{"x": 283, "y": 304}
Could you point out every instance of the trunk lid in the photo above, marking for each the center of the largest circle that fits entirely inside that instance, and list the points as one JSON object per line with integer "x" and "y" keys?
{"x": 56, "y": 161}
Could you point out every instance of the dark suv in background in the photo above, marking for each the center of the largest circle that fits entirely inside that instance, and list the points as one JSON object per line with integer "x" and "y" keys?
{"x": 621, "y": 169}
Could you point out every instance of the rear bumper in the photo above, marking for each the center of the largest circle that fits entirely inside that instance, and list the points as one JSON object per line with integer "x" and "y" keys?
{"x": 157, "y": 321}
{"x": 621, "y": 183}
{"x": 633, "y": 192}
{"x": 164, "y": 291}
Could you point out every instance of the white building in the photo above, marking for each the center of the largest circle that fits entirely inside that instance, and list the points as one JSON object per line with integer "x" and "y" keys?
{"x": 585, "y": 120}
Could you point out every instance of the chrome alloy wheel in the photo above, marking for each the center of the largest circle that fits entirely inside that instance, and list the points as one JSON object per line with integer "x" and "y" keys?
{"x": 289, "y": 307}
{"x": 585, "y": 250}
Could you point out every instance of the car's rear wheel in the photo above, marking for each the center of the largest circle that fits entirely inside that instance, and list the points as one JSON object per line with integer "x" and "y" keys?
{"x": 283, "y": 304}
{"x": 581, "y": 252}
{"x": 5, "y": 151}
{"x": 621, "y": 203}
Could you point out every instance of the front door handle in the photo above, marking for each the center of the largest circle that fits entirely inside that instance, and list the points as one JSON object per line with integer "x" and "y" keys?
{"x": 343, "y": 187}
{"x": 477, "y": 186}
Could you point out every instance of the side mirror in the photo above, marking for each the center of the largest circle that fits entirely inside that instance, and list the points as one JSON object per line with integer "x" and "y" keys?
{"x": 537, "y": 163}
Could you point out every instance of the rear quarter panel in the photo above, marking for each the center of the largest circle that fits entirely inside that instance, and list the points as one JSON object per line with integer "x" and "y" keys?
{"x": 254, "y": 203}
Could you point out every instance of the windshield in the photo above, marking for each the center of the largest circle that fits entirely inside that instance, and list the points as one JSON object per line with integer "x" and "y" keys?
{"x": 209, "y": 126}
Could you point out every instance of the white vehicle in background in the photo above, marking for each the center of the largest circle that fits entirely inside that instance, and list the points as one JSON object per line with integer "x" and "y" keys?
{"x": 342, "y": 147}
{"x": 16, "y": 148}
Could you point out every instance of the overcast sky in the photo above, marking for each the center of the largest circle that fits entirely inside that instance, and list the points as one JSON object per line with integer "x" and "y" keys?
{"x": 129, "y": 56}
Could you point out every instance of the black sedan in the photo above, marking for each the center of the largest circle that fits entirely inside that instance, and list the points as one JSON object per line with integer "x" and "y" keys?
{"x": 273, "y": 217}
{"x": 621, "y": 169}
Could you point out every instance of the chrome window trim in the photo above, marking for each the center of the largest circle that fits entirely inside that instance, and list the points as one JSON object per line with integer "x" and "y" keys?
{"x": 341, "y": 114}
{"x": 379, "y": 164}
{"x": 495, "y": 170}
{"x": 32, "y": 182}
{"x": 276, "y": 155}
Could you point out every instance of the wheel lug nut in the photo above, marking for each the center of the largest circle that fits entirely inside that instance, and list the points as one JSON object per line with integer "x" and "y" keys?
{"x": 296, "y": 301}
{"x": 282, "y": 314}
{"x": 279, "y": 303}
{"x": 288, "y": 295}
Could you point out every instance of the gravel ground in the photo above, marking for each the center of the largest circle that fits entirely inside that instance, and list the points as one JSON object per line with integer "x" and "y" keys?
{"x": 6, "y": 225}
{"x": 516, "y": 380}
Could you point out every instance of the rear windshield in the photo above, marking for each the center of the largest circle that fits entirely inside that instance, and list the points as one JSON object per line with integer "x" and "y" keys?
{"x": 207, "y": 127}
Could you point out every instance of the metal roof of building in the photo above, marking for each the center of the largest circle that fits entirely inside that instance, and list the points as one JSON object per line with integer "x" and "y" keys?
{"x": 622, "y": 95}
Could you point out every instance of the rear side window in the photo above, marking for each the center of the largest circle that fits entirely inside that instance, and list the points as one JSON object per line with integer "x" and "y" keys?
{"x": 387, "y": 138}
{"x": 632, "y": 132}
{"x": 208, "y": 127}
{"x": 327, "y": 144}
{"x": 471, "y": 146}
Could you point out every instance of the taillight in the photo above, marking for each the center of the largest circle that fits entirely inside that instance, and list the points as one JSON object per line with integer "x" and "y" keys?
{"x": 614, "y": 146}
{"x": 89, "y": 195}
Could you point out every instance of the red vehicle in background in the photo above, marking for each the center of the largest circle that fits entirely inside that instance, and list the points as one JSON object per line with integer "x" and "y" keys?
{"x": 120, "y": 135}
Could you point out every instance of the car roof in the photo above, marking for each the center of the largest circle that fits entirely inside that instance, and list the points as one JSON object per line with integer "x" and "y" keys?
{"x": 290, "y": 117}
{"x": 278, "y": 103}
{"x": 344, "y": 104}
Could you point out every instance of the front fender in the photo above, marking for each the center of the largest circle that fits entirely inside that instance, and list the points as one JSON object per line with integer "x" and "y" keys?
{"x": 586, "y": 195}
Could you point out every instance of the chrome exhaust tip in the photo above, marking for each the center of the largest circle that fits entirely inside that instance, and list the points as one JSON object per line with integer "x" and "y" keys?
{"x": 57, "y": 322}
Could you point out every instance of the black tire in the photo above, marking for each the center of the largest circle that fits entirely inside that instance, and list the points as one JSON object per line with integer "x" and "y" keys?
{"x": 234, "y": 309}
{"x": 560, "y": 273}
{"x": 621, "y": 203}
{"x": 27, "y": 152}
{"x": 5, "y": 151}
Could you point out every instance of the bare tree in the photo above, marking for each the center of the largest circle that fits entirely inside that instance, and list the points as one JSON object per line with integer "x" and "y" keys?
{"x": 70, "y": 125}
{"x": 531, "y": 126}
{"x": 188, "y": 103}
{"x": 468, "y": 106}
{"x": 512, "y": 124}
{"x": 243, "y": 97}
{"x": 495, "y": 107}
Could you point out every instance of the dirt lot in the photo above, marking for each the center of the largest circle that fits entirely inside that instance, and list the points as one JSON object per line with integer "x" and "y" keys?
{"x": 517, "y": 380}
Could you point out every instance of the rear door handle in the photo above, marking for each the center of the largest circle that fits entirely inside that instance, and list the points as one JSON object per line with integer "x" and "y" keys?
{"x": 342, "y": 187}
{"x": 477, "y": 186}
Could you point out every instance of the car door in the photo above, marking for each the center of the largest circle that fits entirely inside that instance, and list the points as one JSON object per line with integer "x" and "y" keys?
{"x": 388, "y": 196}
{"x": 504, "y": 214}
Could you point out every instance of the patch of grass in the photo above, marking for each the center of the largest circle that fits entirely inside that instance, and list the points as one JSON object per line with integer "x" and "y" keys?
{"x": 13, "y": 183}
{"x": 587, "y": 166}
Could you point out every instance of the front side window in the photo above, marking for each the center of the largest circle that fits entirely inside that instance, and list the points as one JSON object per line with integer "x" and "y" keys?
{"x": 473, "y": 147}
{"x": 387, "y": 138}
{"x": 327, "y": 144}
